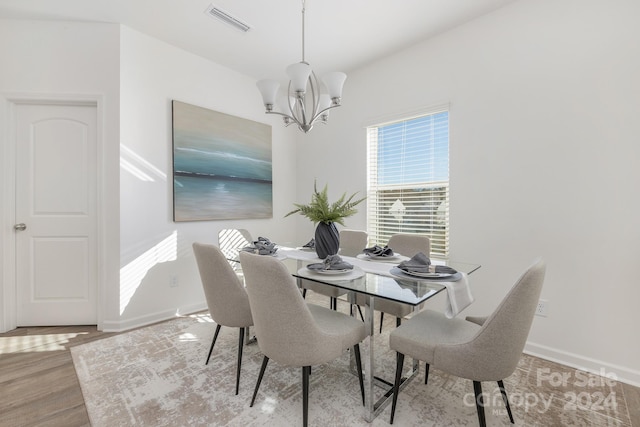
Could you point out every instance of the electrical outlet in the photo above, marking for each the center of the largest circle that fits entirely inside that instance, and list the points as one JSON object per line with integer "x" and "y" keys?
{"x": 541, "y": 308}
{"x": 173, "y": 281}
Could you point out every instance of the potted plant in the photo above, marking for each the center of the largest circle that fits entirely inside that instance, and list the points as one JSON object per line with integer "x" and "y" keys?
{"x": 326, "y": 215}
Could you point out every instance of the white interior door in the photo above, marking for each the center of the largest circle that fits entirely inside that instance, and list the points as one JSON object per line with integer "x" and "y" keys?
{"x": 56, "y": 259}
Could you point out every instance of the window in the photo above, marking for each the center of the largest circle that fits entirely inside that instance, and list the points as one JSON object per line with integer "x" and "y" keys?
{"x": 408, "y": 180}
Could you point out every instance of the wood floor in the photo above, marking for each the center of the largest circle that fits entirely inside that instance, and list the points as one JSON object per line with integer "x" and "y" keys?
{"x": 39, "y": 386}
{"x": 38, "y": 383}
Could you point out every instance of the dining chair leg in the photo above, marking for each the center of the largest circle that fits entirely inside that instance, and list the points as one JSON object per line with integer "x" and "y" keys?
{"x": 239, "y": 367}
{"x": 360, "y": 311}
{"x": 506, "y": 400}
{"x": 304, "y": 293}
{"x": 333, "y": 303}
{"x": 398, "y": 321}
{"x": 265, "y": 360}
{"x": 215, "y": 337}
{"x": 381, "y": 319}
{"x": 477, "y": 389}
{"x": 426, "y": 373}
{"x": 356, "y": 351}
{"x": 396, "y": 384}
{"x": 305, "y": 395}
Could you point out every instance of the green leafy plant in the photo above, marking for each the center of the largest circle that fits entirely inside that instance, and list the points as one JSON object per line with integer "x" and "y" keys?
{"x": 320, "y": 210}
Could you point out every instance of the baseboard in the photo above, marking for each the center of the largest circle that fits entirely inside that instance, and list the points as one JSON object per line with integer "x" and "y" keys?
{"x": 598, "y": 367}
{"x": 148, "y": 319}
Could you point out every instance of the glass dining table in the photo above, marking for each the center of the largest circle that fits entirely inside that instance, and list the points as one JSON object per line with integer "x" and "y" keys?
{"x": 376, "y": 280}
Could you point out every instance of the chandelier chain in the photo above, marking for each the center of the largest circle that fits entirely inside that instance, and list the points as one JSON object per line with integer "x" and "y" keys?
{"x": 303, "y": 9}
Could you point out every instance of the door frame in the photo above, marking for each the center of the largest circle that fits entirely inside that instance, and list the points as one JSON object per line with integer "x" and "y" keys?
{"x": 8, "y": 285}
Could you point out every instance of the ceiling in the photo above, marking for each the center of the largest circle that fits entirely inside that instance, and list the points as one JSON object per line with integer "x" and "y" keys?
{"x": 341, "y": 35}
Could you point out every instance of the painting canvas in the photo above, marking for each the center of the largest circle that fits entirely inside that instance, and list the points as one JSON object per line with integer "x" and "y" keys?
{"x": 221, "y": 166}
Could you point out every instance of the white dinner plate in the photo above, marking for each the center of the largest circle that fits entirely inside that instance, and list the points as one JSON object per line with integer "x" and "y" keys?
{"x": 393, "y": 259}
{"x": 331, "y": 272}
{"x": 427, "y": 275}
{"x": 382, "y": 257}
{"x": 331, "y": 275}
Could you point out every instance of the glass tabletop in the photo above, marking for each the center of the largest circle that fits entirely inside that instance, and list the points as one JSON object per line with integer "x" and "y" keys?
{"x": 405, "y": 289}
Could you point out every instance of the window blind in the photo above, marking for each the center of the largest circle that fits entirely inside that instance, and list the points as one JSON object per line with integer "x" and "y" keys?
{"x": 408, "y": 180}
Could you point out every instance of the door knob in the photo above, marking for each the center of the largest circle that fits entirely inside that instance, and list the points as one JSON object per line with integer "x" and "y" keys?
{"x": 20, "y": 227}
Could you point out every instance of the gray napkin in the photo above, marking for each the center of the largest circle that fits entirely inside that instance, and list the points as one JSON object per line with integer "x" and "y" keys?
{"x": 262, "y": 246}
{"x": 379, "y": 251}
{"x": 311, "y": 244}
{"x": 420, "y": 263}
{"x": 332, "y": 262}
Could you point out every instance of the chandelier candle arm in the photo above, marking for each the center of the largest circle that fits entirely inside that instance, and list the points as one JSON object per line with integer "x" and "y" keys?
{"x": 305, "y": 102}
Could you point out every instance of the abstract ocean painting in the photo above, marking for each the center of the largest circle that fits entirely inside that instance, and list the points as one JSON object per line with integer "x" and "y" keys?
{"x": 221, "y": 166}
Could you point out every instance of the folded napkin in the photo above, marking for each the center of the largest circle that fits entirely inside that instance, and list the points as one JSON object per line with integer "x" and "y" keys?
{"x": 263, "y": 240}
{"x": 332, "y": 262}
{"x": 458, "y": 296}
{"x": 311, "y": 244}
{"x": 420, "y": 263}
{"x": 262, "y": 246}
{"x": 378, "y": 251}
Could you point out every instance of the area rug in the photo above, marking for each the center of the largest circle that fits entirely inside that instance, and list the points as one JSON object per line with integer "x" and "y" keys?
{"x": 156, "y": 376}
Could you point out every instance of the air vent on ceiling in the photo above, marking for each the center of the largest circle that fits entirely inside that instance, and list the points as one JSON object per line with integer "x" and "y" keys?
{"x": 220, "y": 14}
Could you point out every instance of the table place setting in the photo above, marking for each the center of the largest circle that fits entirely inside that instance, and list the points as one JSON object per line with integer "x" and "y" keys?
{"x": 309, "y": 246}
{"x": 381, "y": 254}
{"x": 420, "y": 267}
{"x": 333, "y": 265}
{"x": 262, "y": 246}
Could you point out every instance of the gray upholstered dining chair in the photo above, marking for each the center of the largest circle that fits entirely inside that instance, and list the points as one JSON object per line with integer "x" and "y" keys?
{"x": 292, "y": 332}
{"x": 479, "y": 349}
{"x": 226, "y": 297}
{"x": 352, "y": 242}
{"x": 407, "y": 245}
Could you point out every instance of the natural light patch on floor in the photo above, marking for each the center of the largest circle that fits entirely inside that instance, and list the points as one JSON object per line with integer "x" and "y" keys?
{"x": 269, "y": 405}
{"x": 33, "y": 343}
{"x": 202, "y": 318}
{"x": 187, "y": 337}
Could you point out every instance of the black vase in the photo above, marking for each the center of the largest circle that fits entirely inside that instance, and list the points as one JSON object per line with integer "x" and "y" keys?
{"x": 327, "y": 240}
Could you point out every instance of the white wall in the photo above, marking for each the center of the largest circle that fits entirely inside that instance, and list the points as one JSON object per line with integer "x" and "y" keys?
{"x": 154, "y": 249}
{"x": 544, "y": 96}
{"x": 136, "y": 77}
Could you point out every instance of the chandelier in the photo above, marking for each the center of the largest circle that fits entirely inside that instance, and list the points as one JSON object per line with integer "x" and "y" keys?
{"x": 306, "y": 101}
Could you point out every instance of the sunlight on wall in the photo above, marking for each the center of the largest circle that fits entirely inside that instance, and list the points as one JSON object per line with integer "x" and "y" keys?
{"x": 131, "y": 275}
{"x": 36, "y": 343}
{"x": 138, "y": 166}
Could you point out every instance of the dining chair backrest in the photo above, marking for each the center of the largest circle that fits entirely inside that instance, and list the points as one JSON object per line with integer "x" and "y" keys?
{"x": 352, "y": 242}
{"x": 226, "y": 297}
{"x": 410, "y": 244}
{"x": 495, "y": 350}
{"x": 284, "y": 326}
{"x": 232, "y": 239}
